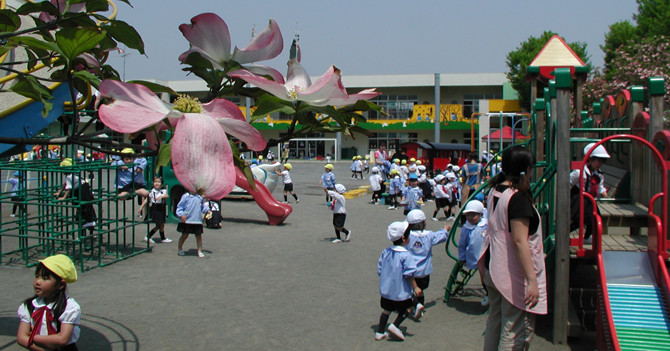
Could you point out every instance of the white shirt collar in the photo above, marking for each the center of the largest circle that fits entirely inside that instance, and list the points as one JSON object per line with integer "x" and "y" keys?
{"x": 398, "y": 248}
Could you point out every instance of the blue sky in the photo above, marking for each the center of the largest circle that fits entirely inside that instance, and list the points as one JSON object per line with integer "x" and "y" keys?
{"x": 373, "y": 37}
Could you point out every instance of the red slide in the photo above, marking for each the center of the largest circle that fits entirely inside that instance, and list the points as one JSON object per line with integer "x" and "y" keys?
{"x": 276, "y": 211}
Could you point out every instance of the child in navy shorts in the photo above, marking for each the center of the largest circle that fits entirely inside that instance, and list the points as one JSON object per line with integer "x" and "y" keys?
{"x": 396, "y": 268}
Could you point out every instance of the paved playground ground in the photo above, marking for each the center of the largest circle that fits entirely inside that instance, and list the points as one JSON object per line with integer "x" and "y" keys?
{"x": 264, "y": 287}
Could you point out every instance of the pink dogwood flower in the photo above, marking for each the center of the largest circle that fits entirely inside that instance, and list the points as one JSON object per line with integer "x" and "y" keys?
{"x": 201, "y": 155}
{"x": 61, "y": 5}
{"x": 326, "y": 90}
{"x": 208, "y": 35}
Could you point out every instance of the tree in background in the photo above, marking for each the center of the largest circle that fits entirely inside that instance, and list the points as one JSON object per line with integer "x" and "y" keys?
{"x": 519, "y": 59}
{"x": 633, "y": 53}
{"x": 631, "y": 65}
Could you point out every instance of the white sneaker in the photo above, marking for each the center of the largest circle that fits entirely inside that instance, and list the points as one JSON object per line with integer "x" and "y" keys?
{"x": 434, "y": 219}
{"x": 391, "y": 208}
{"x": 418, "y": 311}
{"x": 335, "y": 241}
{"x": 152, "y": 241}
{"x": 396, "y": 332}
{"x": 451, "y": 218}
{"x": 485, "y": 301}
{"x": 297, "y": 200}
{"x": 381, "y": 336}
{"x": 181, "y": 253}
{"x": 166, "y": 240}
{"x": 12, "y": 215}
{"x": 347, "y": 236}
{"x": 145, "y": 239}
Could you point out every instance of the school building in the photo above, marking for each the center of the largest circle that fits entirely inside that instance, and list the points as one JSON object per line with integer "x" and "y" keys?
{"x": 409, "y": 101}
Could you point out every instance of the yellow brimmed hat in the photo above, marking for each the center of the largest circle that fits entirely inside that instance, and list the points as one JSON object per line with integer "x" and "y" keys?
{"x": 288, "y": 166}
{"x": 127, "y": 151}
{"x": 67, "y": 162}
{"x": 329, "y": 166}
{"x": 62, "y": 266}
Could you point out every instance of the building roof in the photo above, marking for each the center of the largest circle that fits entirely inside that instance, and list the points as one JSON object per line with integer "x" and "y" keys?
{"x": 377, "y": 81}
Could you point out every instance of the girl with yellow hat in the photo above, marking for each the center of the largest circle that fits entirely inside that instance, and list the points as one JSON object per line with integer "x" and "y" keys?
{"x": 50, "y": 319}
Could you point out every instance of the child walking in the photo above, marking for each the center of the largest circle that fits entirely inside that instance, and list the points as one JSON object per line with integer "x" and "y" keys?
{"x": 421, "y": 242}
{"x": 328, "y": 180}
{"x": 376, "y": 185}
{"x": 396, "y": 269}
{"x": 213, "y": 219}
{"x": 288, "y": 184}
{"x": 443, "y": 194}
{"x": 190, "y": 209}
{"x": 16, "y": 199}
{"x": 472, "y": 236}
{"x": 157, "y": 201}
{"x": 50, "y": 319}
{"x": 395, "y": 188}
{"x": 339, "y": 213}
{"x": 412, "y": 196}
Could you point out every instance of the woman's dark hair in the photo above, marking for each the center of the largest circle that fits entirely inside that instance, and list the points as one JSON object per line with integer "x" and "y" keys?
{"x": 60, "y": 300}
{"x": 404, "y": 236}
{"x": 473, "y": 156}
{"x": 515, "y": 161}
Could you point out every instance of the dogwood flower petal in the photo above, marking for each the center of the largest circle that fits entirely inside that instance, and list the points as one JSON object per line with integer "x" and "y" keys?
{"x": 208, "y": 35}
{"x": 366, "y": 94}
{"x": 201, "y": 156}
{"x": 264, "y": 46}
{"x": 275, "y": 88}
{"x": 129, "y": 108}
{"x": 233, "y": 122}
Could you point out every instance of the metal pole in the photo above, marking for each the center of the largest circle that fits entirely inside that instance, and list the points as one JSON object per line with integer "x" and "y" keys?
{"x": 437, "y": 107}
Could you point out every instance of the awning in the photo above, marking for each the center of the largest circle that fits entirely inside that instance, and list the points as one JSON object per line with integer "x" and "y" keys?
{"x": 506, "y": 135}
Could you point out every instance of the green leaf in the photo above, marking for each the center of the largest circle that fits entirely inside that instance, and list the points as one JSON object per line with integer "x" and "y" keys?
{"x": 30, "y": 87}
{"x": 32, "y": 59}
{"x": 124, "y": 33}
{"x": 33, "y": 7}
{"x": 156, "y": 88}
{"x": 87, "y": 77}
{"x": 34, "y": 43}
{"x": 268, "y": 104}
{"x": 9, "y": 21}
{"x": 164, "y": 155}
{"x": 75, "y": 41}
{"x": 96, "y": 5}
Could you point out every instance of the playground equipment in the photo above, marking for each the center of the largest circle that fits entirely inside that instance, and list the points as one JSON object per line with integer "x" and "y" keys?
{"x": 50, "y": 225}
{"x": 632, "y": 287}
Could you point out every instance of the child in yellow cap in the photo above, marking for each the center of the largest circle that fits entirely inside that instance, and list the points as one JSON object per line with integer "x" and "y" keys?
{"x": 50, "y": 319}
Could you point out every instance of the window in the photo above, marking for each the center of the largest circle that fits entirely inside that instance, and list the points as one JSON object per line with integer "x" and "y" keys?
{"x": 397, "y": 106}
{"x": 392, "y": 140}
{"x": 471, "y": 102}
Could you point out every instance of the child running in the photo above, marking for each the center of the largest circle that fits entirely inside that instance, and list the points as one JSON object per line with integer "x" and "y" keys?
{"x": 288, "y": 184}
{"x": 421, "y": 242}
{"x": 157, "y": 201}
{"x": 190, "y": 209}
{"x": 396, "y": 269}
{"x": 328, "y": 180}
{"x": 472, "y": 236}
{"x": 339, "y": 213}
{"x": 50, "y": 319}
